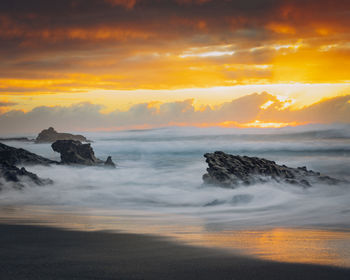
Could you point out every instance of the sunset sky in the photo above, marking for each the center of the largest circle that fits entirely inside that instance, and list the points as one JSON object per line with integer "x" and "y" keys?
{"x": 144, "y": 63}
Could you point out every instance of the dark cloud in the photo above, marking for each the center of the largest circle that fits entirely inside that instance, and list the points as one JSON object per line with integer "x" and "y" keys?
{"x": 51, "y": 39}
{"x": 71, "y": 23}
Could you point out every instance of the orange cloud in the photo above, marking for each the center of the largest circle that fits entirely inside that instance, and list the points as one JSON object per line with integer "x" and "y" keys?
{"x": 137, "y": 44}
{"x": 92, "y": 34}
{"x": 281, "y": 28}
{"x": 6, "y": 106}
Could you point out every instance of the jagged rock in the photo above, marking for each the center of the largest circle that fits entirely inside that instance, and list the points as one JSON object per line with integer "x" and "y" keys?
{"x": 9, "y": 157}
{"x": 14, "y": 156}
{"x": 230, "y": 171}
{"x": 109, "y": 162}
{"x": 74, "y": 152}
{"x": 16, "y": 176}
{"x": 50, "y": 135}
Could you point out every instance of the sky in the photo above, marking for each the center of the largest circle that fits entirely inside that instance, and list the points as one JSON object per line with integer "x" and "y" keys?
{"x": 109, "y": 59}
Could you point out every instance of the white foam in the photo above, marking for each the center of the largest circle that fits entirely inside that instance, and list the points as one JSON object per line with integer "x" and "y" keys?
{"x": 161, "y": 171}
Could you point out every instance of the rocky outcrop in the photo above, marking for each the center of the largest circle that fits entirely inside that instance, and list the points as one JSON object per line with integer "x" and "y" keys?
{"x": 14, "y": 156}
{"x": 74, "y": 152}
{"x": 109, "y": 162}
{"x": 10, "y": 174}
{"x": 230, "y": 171}
{"x": 18, "y": 176}
{"x": 50, "y": 135}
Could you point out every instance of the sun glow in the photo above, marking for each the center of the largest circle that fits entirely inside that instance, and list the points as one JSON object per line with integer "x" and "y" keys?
{"x": 207, "y": 54}
{"x": 261, "y": 124}
{"x": 267, "y": 104}
{"x": 299, "y": 56}
{"x": 289, "y": 46}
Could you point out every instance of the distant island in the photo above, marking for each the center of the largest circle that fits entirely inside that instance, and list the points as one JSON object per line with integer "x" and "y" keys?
{"x": 50, "y": 135}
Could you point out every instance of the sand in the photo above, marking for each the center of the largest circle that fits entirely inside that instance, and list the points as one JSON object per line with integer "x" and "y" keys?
{"x": 36, "y": 252}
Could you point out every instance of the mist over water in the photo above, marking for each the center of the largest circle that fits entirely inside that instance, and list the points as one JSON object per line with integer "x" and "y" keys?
{"x": 160, "y": 171}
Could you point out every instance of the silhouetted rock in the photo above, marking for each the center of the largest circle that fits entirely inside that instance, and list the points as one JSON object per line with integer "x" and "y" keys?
{"x": 230, "y": 171}
{"x": 50, "y": 135}
{"x": 109, "y": 162}
{"x": 74, "y": 152}
{"x": 17, "y": 176}
{"x": 10, "y": 157}
{"x": 14, "y": 156}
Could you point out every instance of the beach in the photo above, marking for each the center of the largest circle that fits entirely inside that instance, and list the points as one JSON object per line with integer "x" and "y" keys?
{"x": 152, "y": 217}
{"x": 36, "y": 252}
{"x": 175, "y": 139}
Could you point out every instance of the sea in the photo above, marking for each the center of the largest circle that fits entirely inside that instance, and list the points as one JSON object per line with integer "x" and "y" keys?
{"x": 157, "y": 189}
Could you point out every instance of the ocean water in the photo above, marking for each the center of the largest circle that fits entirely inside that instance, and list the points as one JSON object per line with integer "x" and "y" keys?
{"x": 157, "y": 188}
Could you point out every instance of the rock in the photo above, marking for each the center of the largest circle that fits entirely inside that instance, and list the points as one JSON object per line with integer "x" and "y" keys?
{"x": 50, "y": 135}
{"x": 230, "y": 171}
{"x": 74, "y": 152}
{"x": 14, "y": 156}
{"x": 109, "y": 162}
{"x": 9, "y": 173}
{"x": 16, "y": 176}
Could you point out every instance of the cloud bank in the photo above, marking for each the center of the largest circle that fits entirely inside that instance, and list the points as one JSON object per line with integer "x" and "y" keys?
{"x": 263, "y": 107}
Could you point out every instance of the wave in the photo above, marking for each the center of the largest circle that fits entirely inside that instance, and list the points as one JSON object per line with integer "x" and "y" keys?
{"x": 161, "y": 171}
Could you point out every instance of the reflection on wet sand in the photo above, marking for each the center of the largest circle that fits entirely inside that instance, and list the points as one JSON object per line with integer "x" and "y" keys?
{"x": 301, "y": 245}
{"x": 283, "y": 244}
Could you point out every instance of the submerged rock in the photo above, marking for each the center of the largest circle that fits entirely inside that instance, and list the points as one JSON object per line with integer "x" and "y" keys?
{"x": 75, "y": 152}
{"x": 50, "y": 135}
{"x": 109, "y": 162}
{"x": 16, "y": 176}
{"x": 230, "y": 171}
{"x": 14, "y": 156}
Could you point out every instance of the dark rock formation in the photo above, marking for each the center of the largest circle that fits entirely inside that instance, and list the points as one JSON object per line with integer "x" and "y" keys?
{"x": 16, "y": 176}
{"x": 109, "y": 162}
{"x": 50, "y": 135}
{"x": 74, "y": 152}
{"x": 14, "y": 156}
{"x": 10, "y": 157}
{"x": 230, "y": 171}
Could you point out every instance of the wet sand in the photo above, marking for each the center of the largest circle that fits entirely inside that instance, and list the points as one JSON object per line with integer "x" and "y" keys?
{"x": 36, "y": 252}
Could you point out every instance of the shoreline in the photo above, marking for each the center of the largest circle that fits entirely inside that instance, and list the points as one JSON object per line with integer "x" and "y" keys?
{"x": 38, "y": 252}
{"x": 291, "y": 244}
